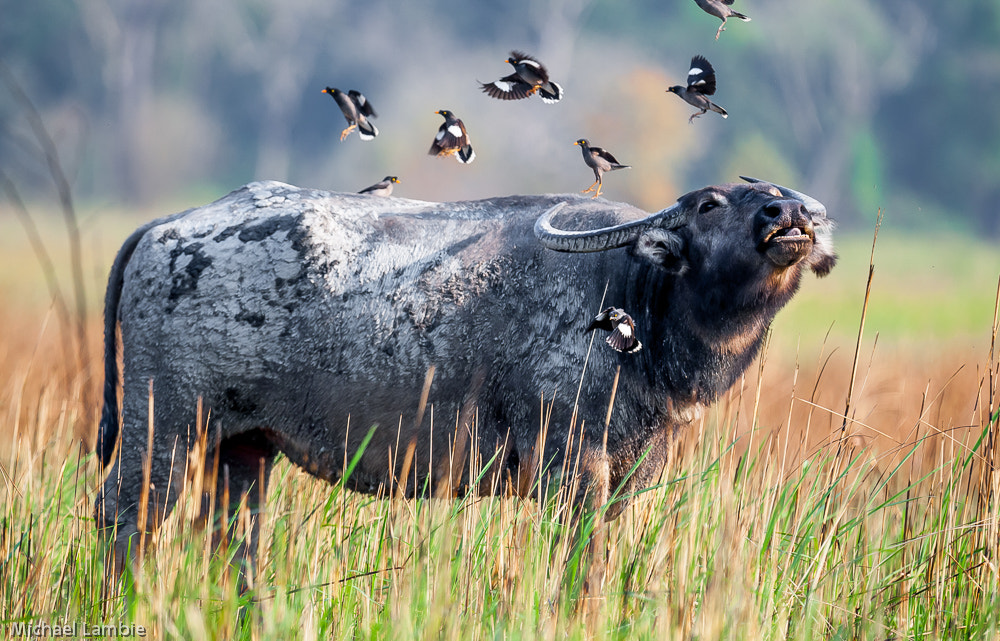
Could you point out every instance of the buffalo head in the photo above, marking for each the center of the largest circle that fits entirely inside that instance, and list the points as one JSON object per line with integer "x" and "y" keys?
{"x": 783, "y": 226}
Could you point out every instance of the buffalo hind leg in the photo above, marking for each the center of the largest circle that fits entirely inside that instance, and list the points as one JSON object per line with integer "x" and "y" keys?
{"x": 244, "y": 464}
{"x": 118, "y": 510}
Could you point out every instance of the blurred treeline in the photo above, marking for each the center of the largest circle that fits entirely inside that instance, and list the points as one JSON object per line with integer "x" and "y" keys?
{"x": 862, "y": 103}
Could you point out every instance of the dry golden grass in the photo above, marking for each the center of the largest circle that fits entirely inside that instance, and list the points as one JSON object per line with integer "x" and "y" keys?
{"x": 775, "y": 518}
{"x": 763, "y": 527}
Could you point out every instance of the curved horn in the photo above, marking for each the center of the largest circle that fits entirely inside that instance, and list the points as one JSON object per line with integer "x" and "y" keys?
{"x": 596, "y": 240}
{"x": 813, "y": 206}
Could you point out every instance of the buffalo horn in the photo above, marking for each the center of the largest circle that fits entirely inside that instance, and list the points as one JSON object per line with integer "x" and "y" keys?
{"x": 596, "y": 240}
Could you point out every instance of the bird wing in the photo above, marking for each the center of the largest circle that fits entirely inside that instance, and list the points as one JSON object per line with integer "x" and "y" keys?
{"x": 728, "y": 1}
{"x": 375, "y": 187}
{"x": 507, "y": 88}
{"x": 605, "y": 154}
{"x": 623, "y": 337}
{"x": 701, "y": 76}
{"x": 601, "y": 321}
{"x": 362, "y": 103}
{"x": 450, "y": 137}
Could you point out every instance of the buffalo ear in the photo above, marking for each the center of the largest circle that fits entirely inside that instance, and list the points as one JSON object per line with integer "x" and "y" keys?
{"x": 663, "y": 248}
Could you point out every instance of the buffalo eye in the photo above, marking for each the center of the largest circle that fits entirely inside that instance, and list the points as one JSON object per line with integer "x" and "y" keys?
{"x": 707, "y": 206}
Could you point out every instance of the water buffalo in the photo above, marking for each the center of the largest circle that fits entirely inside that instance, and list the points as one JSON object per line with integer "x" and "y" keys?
{"x": 302, "y": 318}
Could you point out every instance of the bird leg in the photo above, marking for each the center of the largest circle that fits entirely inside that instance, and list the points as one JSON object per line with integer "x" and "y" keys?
{"x": 345, "y": 133}
{"x": 722, "y": 27}
{"x": 693, "y": 116}
{"x": 598, "y": 190}
{"x": 596, "y": 184}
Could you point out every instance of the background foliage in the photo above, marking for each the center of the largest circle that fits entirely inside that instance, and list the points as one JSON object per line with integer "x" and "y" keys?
{"x": 866, "y": 104}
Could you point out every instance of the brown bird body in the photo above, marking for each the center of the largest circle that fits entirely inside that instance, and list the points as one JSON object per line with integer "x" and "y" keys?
{"x": 530, "y": 76}
{"x": 357, "y": 110}
{"x": 720, "y": 9}
{"x": 622, "y": 327}
{"x": 383, "y": 188}
{"x": 452, "y": 139}
{"x": 700, "y": 84}
{"x": 600, "y": 160}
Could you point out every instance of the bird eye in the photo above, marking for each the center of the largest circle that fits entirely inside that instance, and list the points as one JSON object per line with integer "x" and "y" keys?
{"x": 707, "y": 206}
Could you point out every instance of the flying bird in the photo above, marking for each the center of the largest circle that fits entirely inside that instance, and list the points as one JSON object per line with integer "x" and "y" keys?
{"x": 357, "y": 110}
{"x": 600, "y": 161}
{"x": 530, "y": 76}
{"x": 720, "y": 9}
{"x": 452, "y": 139}
{"x": 383, "y": 188}
{"x": 700, "y": 83}
{"x": 622, "y": 328}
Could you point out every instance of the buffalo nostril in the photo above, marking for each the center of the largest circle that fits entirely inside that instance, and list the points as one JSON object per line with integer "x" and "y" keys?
{"x": 773, "y": 210}
{"x": 782, "y": 207}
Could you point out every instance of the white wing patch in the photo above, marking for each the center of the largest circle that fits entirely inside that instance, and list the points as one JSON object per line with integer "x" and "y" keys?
{"x": 455, "y": 130}
{"x": 530, "y": 63}
{"x": 502, "y": 86}
{"x": 440, "y": 134}
{"x": 695, "y": 71}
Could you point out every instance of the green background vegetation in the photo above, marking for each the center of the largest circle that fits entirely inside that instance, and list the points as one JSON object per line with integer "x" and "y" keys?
{"x": 865, "y": 104}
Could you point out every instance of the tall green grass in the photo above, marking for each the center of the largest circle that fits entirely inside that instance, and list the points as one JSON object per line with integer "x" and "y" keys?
{"x": 768, "y": 523}
{"x": 733, "y": 543}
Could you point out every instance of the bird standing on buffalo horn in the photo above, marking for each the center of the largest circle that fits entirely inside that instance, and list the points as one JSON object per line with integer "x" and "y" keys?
{"x": 622, "y": 328}
{"x": 720, "y": 9}
{"x": 452, "y": 139}
{"x": 383, "y": 188}
{"x": 600, "y": 161}
{"x": 530, "y": 76}
{"x": 357, "y": 110}
{"x": 700, "y": 83}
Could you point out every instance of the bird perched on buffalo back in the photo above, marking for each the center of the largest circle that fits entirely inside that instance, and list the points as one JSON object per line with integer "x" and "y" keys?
{"x": 622, "y": 328}
{"x": 383, "y": 188}
{"x": 357, "y": 110}
{"x": 600, "y": 160}
{"x": 720, "y": 9}
{"x": 700, "y": 83}
{"x": 452, "y": 139}
{"x": 530, "y": 76}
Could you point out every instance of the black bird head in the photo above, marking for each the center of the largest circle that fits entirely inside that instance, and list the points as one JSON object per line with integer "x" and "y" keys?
{"x": 583, "y": 142}
{"x": 331, "y": 90}
{"x": 444, "y": 112}
{"x": 392, "y": 179}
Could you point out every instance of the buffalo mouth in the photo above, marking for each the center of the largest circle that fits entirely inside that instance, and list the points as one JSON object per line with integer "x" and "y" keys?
{"x": 785, "y": 246}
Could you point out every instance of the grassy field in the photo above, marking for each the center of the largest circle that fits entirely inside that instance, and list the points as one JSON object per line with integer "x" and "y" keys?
{"x": 769, "y": 523}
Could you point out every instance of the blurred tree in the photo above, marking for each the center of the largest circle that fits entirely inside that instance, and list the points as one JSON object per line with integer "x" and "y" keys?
{"x": 941, "y": 132}
{"x": 865, "y": 103}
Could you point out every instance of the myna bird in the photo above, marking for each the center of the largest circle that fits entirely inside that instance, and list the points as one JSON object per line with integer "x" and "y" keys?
{"x": 452, "y": 139}
{"x": 530, "y": 76}
{"x": 383, "y": 188}
{"x": 616, "y": 321}
{"x": 357, "y": 110}
{"x": 600, "y": 161}
{"x": 700, "y": 83}
{"x": 720, "y": 9}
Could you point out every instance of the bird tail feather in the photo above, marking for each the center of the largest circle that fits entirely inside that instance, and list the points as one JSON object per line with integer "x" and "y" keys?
{"x": 742, "y": 17}
{"x": 366, "y": 130}
{"x": 550, "y": 93}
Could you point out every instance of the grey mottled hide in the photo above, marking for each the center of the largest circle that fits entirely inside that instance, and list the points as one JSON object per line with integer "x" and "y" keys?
{"x": 302, "y": 318}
